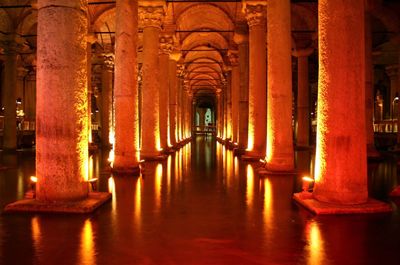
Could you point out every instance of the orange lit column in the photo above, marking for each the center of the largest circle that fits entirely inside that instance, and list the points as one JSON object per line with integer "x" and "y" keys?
{"x": 219, "y": 113}
{"x": 235, "y": 84}
{"x": 126, "y": 147}
{"x": 228, "y": 102}
{"x": 174, "y": 57}
{"x": 303, "y": 98}
{"x": 243, "y": 43}
{"x": 166, "y": 45}
{"x": 179, "y": 105}
{"x": 255, "y": 15}
{"x": 341, "y": 164}
{"x": 106, "y": 99}
{"x": 280, "y": 154}
{"x": 189, "y": 97}
{"x": 9, "y": 87}
{"x": 61, "y": 118}
{"x": 151, "y": 16}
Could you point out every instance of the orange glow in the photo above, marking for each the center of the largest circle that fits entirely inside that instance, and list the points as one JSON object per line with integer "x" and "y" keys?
{"x": 169, "y": 171}
{"x": 111, "y": 157}
{"x": 316, "y": 252}
{"x": 307, "y": 179}
{"x": 236, "y": 165}
{"x": 249, "y": 185}
{"x": 158, "y": 184}
{"x": 111, "y": 136}
{"x": 268, "y": 211}
{"x": 33, "y": 179}
{"x": 90, "y": 169}
{"x": 229, "y": 169}
{"x": 250, "y": 141}
{"x": 87, "y": 250}
{"x": 111, "y": 189}
{"x": 138, "y": 201}
{"x": 36, "y": 232}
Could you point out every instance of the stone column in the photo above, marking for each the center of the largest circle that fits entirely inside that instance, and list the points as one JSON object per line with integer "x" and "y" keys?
{"x": 392, "y": 72}
{"x": 173, "y": 85}
{"x": 280, "y": 153}
{"x": 61, "y": 118}
{"x": 106, "y": 97}
{"x": 255, "y": 15}
{"x": 303, "y": 98}
{"x": 202, "y": 117}
{"x": 228, "y": 104}
{"x": 369, "y": 89}
{"x": 219, "y": 113}
{"x": 151, "y": 16}
{"x": 9, "y": 96}
{"x": 166, "y": 46}
{"x": 235, "y": 92}
{"x": 179, "y": 112}
{"x": 243, "y": 43}
{"x": 341, "y": 164}
{"x": 126, "y": 147}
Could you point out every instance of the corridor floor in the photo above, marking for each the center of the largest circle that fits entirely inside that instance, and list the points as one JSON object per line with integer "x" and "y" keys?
{"x": 200, "y": 206}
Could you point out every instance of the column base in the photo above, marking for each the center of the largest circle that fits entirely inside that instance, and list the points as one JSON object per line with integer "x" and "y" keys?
{"x": 168, "y": 151}
{"x": 239, "y": 151}
{"x": 266, "y": 172}
{"x": 126, "y": 171}
{"x": 307, "y": 200}
{"x": 88, "y": 205}
{"x": 155, "y": 157}
{"x": 251, "y": 156}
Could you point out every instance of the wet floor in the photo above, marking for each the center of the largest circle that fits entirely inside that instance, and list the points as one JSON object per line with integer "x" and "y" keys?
{"x": 200, "y": 206}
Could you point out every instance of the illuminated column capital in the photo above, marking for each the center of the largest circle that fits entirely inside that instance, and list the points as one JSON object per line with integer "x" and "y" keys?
{"x": 151, "y": 14}
{"x": 166, "y": 44}
{"x": 108, "y": 61}
{"x": 255, "y": 12}
{"x": 233, "y": 56}
{"x": 12, "y": 44}
{"x": 303, "y": 52}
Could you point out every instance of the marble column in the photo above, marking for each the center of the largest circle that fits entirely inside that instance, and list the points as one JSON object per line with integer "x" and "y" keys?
{"x": 280, "y": 153}
{"x": 106, "y": 99}
{"x": 173, "y": 84}
{"x": 303, "y": 98}
{"x": 166, "y": 46}
{"x": 126, "y": 146}
{"x": 219, "y": 113}
{"x": 341, "y": 164}
{"x": 61, "y": 118}
{"x": 9, "y": 96}
{"x": 228, "y": 104}
{"x": 151, "y": 15}
{"x": 235, "y": 92}
{"x": 255, "y": 15}
{"x": 243, "y": 46}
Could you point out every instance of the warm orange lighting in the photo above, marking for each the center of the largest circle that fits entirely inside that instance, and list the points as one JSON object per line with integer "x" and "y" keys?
{"x": 87, "y": 250}
{"x": 33, "y": 179}
{"x": 268, "y": 209}
{"x": 262, "y": 161}
{"x": 138, "y": 202}
{"x": 249, "y": 185}
{"x": 250, "y": 143}
{"x": 316, "y": 252}
{"x": 307, "y": 181}
{"x": 158, "y": 184}
{"x": 111, "y": 157}
{"x": 90, "y": 168}
{"x": 36, "y": 232}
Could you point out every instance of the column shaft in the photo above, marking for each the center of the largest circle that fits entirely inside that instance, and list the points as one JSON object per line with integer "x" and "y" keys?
{"x": 164, "y": 100}
{"x": 341, "y": 164}
{"x": 243, "y": 95}
{"x": 235, "y": 83}
{"x": 106, "y": 106}
{"x": 61, "y": 118}
{"x": 126, "y": 89}
{"x": 303, "y": 102}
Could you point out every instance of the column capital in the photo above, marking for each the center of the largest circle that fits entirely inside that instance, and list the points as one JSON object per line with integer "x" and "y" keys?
{"x": 303, "y": 52}
{"x": 233, "y": 56}
{"x": 240, "y": 38}
{"x": 175, "y": 56}
{"x": 392, "y": 70}
{"x": 21, "y": 72}
{"x": 11, "y": 44}
{"x": 255, "y": 12}
{"x": 109, "y": 60}
{"x": 166, "y": 43}
{"x": 180, "y": 70}
{"x": 151, "y": 13}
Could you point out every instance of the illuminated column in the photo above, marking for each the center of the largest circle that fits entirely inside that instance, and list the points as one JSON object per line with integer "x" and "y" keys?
{"x": 369, "y": 88}
{"x": 228, "y": 102}
{"x": 280, "y": 154}
{"x": 255, "y": 15}
{"x": 89, "y": 88}
{"x": 9, "y": 87}
{"x": 126, "y": 147}
{"x": 173, "y": 84}
{"x": 151, "y": 16}
{"x": 106, "y": 100}
{"x": 243, "y": 42}
{"x": 179, "y": 106}
{"x": 188, "y": 118}
{"x": 392, "y": 72}
{"x": 61, "y": 118}
{"x": 166, "y": 45}
{"x": 303, "y": 98}
{"x": 235, "y": 83}
{"x": 219, "y": 113}
{"x": 341, "y": 164}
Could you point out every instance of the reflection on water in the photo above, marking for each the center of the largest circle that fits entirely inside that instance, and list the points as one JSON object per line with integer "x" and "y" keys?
{"x": 87, "y": 250}
{"x": 315, "y": 248}
{"x": 201, "y": 205}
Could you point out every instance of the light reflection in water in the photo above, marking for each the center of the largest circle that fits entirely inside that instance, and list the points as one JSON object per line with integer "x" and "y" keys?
{"x": 316, "y": 251}
{"x": 268, "y": 208}
{"x": 229, "y": 169}
{"x": 20, "y": 185}
{"x": 169, "y": 173}
{"x": 249, "y": 185}
{"x": 236, "y": 165}
{"x": 87, "y": 250}
{"x": 36, "y": 233}
{"x": 138, "y": 202}
{"x": 111, "y": 189}
{"x": 158, "y": 184}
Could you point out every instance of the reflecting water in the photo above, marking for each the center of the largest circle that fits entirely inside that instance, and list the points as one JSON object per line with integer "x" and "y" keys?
{"x": 202, "y": 205}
